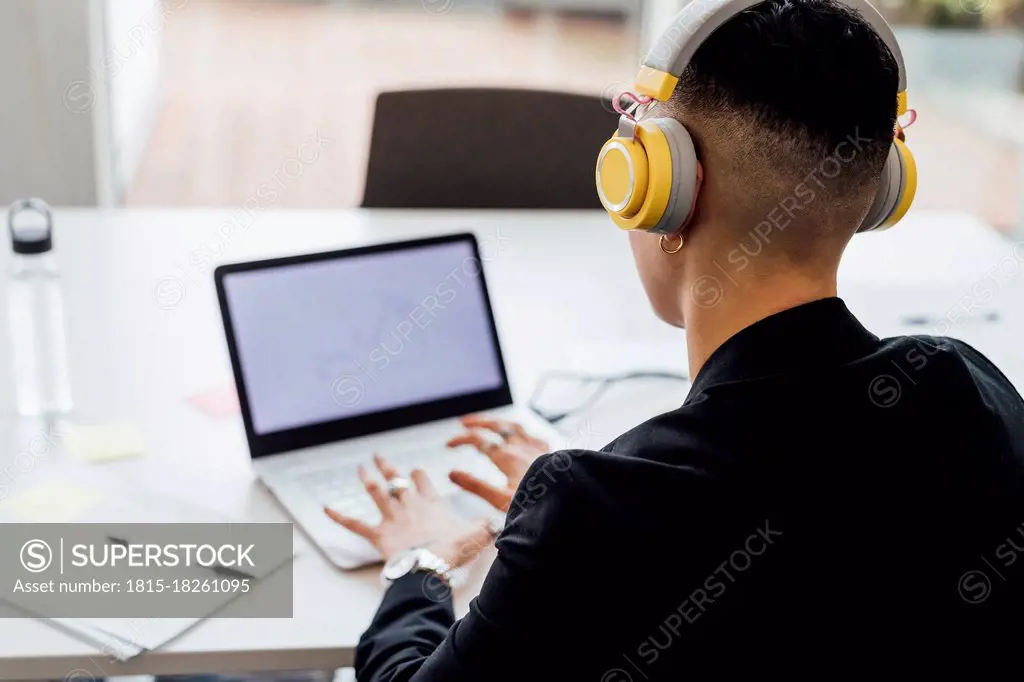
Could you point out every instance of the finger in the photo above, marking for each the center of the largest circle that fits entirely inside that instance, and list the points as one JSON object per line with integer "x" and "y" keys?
{"x": 386, "y": 468}
{"x": 354, "y": 525}
{"x": 474, "y": 438}
{"x": 484, "y": 445}
{"x": 423, "y": 484}
{"x": 480, "y": 421}
{"x": 504, "y": 428}
{"x": 539, "y": 444}
{"x": 377, "y": 492}
{"x": 516, "y": 432}
{"x": 496, "y": 497}
{"x": 488, "y": 448}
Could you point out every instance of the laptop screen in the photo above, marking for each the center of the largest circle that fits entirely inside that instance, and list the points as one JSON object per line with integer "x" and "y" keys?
{"x": 365, "y": 332}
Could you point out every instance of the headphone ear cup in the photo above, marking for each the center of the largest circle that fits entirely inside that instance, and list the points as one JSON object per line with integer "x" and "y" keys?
{"x": 683, "y": 178}
{"x": 647, "y": 182}
{"x": 908, "y": 187}
{"x": 887, "y": 194}
{"x": 896, "y": 189}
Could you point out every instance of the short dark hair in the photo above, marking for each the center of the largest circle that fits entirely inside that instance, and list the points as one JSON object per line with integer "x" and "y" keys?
{"x": 788, "y": 81}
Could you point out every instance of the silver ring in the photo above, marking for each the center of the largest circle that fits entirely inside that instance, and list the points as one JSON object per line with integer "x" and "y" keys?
{"x": 506, "y": 435}
{"x": 398, "y": 485}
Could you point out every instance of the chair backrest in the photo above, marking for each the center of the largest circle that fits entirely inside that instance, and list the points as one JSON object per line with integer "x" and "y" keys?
{"x": 485, "y": 148}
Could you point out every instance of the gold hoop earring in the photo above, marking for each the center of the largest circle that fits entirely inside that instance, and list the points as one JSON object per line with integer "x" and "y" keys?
{"x": 676, "y": 249}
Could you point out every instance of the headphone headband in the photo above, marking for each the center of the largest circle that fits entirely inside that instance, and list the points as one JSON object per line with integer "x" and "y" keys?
{"x": 647, "y": 175}
{"x": 672, "y": 52}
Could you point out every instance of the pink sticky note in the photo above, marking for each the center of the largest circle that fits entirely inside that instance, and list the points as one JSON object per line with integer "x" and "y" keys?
{"x": 217, "y": 402}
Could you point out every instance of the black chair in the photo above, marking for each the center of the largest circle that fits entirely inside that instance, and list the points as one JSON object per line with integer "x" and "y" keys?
{"x": 486, "y": 148}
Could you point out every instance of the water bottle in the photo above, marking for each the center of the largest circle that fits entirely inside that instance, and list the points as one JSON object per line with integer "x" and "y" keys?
{"x": 39, "y": 346}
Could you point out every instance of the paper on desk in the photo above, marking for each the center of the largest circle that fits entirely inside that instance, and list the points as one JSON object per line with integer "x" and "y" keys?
{"x": 150, "y": 634}
{"x": 107, "y": 500}
{"x": 51, "y": 502}
{"x": 111, "y": 645}
{"x": 128, "y": 637}
{"x": 104, "y": 442}
{"x": 218, "y": 402}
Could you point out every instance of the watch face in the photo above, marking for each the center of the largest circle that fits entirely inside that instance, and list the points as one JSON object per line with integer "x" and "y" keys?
{"x": 399, "y": 565}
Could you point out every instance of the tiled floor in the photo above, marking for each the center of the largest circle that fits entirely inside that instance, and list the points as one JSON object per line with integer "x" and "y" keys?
{"x": 248, "y": 83}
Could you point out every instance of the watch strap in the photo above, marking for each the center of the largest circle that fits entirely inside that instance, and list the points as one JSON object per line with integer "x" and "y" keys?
{"x": 425, "y": 561}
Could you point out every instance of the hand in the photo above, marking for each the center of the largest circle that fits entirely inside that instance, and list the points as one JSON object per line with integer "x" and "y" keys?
{"x": 415, "y": 517}
{"x": 513, "y": 458}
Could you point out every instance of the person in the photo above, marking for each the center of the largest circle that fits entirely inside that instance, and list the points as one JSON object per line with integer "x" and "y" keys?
{"x": 823, "y": 499}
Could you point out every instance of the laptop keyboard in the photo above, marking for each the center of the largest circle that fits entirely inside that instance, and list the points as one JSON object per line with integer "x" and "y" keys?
{"x": 337, "y": 485}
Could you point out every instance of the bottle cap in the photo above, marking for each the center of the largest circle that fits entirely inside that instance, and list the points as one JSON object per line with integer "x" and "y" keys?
{"x": 32, "y": 236}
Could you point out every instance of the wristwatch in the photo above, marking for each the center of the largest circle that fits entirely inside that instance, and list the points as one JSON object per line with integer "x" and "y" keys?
{"x": 417, "y": 560}
{"x": 495, "y": 525}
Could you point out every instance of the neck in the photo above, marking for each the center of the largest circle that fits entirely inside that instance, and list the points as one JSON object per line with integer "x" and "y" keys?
{"x": 717, "y": 308}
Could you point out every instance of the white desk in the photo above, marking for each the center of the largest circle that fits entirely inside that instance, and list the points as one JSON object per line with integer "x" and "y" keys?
{"x": 557, "y": 278}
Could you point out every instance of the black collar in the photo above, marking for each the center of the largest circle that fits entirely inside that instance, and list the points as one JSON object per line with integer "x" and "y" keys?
{"x": 822, "y": 332}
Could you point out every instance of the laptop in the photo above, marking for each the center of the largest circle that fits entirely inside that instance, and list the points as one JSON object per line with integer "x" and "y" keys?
{"x": 377, "y": 349}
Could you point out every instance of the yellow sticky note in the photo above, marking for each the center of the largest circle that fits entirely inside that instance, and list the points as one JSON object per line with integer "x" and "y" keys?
{"x": 104, "y": 442}
{"x": 52, "y": 502}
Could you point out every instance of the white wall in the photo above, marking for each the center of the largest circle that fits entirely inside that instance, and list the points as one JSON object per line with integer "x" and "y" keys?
{"x": 51, "y": 121}
{"x": 82, "y": 89}
{"x": 657, "y": 15}
{"x": 129, "y": 69}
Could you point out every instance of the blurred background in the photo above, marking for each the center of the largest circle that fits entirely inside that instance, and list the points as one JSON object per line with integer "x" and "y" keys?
{"x": 203, "y": 102}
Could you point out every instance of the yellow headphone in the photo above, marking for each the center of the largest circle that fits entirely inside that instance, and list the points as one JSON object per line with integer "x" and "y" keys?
{"x": 647, "y": 173}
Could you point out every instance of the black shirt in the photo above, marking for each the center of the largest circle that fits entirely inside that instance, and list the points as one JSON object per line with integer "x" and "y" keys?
{"x": 822, "y": 499}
